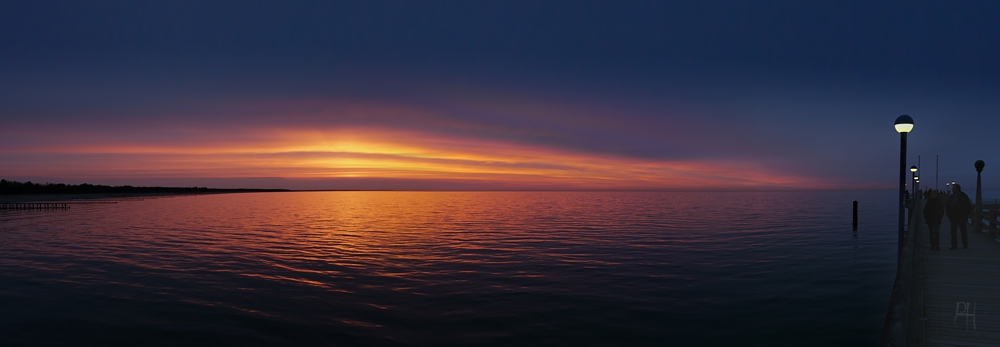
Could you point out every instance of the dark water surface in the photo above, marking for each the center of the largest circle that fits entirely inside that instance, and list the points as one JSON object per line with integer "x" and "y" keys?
{"x": 451, "y": 268}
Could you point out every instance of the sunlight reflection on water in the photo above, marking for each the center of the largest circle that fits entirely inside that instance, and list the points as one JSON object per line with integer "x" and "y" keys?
{"x": 451, "y": 268}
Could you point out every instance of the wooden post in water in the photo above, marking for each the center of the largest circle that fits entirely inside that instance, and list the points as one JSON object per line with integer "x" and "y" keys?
{"x": 855, "y": 215}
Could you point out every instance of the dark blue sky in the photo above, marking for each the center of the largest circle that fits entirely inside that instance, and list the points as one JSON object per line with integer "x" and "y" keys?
{"x": 802, "y": 89}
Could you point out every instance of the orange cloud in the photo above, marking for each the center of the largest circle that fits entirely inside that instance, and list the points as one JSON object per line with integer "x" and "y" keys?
{"x": 368, "y": 152}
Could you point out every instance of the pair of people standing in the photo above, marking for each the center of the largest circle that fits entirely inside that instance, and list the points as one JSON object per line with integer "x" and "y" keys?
{"x": 958, "y": 208}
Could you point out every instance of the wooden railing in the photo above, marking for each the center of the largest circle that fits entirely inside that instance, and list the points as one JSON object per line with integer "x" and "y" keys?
{"x": 988, "y": 216}
{"x": 902, "y": 321}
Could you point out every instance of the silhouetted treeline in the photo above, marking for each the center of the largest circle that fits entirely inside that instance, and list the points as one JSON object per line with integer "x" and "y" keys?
{"x": 14, "y": 187}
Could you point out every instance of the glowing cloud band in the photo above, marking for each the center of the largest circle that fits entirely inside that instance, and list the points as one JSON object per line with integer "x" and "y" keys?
{"x": 384, "y": 154}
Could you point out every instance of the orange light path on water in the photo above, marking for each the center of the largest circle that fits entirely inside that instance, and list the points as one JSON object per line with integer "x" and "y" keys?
{"x": 394, "y": 154}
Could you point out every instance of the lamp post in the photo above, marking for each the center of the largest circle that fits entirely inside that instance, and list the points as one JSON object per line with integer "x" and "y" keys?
{"x": 979, "y": 196}
{"x": 903, "y": 126}
{"x": 913, "y": 182}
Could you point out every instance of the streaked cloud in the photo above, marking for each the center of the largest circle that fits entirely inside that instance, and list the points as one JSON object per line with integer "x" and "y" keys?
{"x": 384, "y": 153}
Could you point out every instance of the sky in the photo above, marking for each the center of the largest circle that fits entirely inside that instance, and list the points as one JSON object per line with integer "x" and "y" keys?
{"x": 519, "y": 95}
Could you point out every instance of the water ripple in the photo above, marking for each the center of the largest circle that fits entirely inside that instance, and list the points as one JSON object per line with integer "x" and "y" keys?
{"x": 449, "y": 268}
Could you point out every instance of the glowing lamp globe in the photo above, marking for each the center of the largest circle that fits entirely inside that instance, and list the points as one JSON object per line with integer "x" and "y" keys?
{"x": 904, "y": 124}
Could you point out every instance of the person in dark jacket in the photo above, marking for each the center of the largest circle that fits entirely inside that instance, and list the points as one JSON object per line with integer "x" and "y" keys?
{"x": 959, "y": 208}
{"x": 933, "y": 213}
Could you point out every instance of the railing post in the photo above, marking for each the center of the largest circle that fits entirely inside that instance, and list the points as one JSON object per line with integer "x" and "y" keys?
{"x": 993, "y": 221}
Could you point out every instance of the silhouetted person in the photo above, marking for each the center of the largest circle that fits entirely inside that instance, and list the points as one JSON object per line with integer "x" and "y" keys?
{"x": 959, "y": 208}
{"x": 933, "y": 213}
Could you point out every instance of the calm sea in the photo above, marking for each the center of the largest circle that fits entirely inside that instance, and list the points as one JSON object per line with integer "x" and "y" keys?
{"x": 451, "y": 269}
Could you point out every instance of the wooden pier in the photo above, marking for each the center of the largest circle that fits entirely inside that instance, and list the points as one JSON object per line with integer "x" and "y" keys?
{"x": 947, "y": 297}
{"x": 33, "y": 206}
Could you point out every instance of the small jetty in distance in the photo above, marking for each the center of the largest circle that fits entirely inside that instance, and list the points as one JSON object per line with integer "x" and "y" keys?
{"x": 16, "y": 206}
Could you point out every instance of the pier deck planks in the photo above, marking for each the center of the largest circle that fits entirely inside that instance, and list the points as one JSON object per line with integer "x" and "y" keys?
{"x": 964, "y": 275}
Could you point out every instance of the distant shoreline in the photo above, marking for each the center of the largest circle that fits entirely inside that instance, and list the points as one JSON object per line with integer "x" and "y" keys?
{"x": 69, "y": 197}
